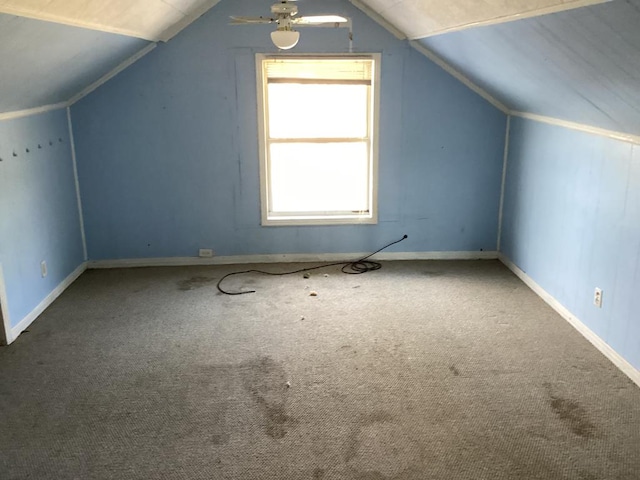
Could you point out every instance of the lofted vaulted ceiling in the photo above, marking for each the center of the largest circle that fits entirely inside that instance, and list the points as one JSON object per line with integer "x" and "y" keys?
{"x": 46, "y": 63}
{"x": 152, "y": 20}
{"x": 425, "y": 18}
{"x": 581, "y": 65}
{"x": 577, "y": 60}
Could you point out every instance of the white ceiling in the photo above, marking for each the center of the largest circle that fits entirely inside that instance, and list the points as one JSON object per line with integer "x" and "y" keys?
{"x": 161, "y": 19}
{"x": 147, "y": 19}
{"x": 424, "y": 18}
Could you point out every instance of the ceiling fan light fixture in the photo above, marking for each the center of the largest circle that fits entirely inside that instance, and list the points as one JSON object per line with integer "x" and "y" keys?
{"x": 285, "y": 39}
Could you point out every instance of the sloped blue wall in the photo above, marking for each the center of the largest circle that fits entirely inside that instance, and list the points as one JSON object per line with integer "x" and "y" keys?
{"x": 168, "y": 151}
{"x": 572, "y": 223}
{"x": 45, "y": 63}
{"x": 580, "y": 65}
{"x": 39, "y": 217}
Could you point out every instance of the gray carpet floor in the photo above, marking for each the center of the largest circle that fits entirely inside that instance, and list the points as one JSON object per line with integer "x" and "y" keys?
{"x": 421, "y": 370}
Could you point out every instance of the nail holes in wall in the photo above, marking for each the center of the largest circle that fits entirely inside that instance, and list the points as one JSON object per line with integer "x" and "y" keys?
{"x": 28, "y": 150}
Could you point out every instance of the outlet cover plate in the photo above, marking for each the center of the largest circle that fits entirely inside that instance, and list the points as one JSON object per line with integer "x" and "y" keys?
{"x": 597, "y": 297}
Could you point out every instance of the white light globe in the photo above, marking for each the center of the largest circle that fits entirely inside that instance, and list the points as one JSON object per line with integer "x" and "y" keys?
{"x": 285, "y": 39}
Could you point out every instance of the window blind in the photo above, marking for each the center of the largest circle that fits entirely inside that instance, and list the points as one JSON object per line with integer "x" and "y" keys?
{"x": 300, "y": 70}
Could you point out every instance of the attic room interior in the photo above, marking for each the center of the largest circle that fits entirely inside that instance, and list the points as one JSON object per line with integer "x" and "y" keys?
{"x": 156, "y": 155}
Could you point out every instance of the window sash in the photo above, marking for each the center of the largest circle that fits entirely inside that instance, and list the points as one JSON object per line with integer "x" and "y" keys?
{"x": 367, "y": 184}
{"x": 352, "y": 101}
{"x": 368, "y": 215}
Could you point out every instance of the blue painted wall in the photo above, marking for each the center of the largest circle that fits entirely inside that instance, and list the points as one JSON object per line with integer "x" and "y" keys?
{"x": 39, "y": 217}
{"x": 168, "y": 152}
{"x": 572, "y": 223}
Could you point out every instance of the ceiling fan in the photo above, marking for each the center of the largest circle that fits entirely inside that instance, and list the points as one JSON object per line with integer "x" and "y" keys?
{"x": 284, "y": 15}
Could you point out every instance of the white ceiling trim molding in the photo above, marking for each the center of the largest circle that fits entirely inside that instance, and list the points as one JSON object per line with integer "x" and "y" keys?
{"x": 172, "y": 31}
{"x": 32, "y": 111}
{"x": 461, "y": 77}
{"x": 379, "y": 19}
{"x": 624, "y": 137}
{"x": 105, "y": 78}
{"x": 518, "y": 16}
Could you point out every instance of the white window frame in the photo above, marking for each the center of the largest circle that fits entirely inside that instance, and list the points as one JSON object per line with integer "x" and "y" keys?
{"x": 370, "y": 217}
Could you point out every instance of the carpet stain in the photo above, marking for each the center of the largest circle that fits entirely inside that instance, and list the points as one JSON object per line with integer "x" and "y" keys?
{"x": 266, "y": 382}
{"x": 194, "y": 282}
{"x": 354, "y": 440}
{"x": 318, "y": 474}
{"x": 454, "y": 370}
{"x": 378, "y": 447}
{"x": 572, "y": 414}
{"x": 220, "y": 439}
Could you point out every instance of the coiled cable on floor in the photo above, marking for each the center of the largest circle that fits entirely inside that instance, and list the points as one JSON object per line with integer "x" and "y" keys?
{"x": 356, "y": 267}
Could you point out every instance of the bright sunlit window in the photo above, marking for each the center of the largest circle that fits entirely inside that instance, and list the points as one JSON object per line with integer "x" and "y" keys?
{"x": 318, "y": 139}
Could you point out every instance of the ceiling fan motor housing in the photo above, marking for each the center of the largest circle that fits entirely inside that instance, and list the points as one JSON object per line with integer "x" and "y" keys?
{"x": 284, "y": 9}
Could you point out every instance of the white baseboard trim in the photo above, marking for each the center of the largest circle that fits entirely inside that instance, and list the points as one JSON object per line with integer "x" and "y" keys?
{"x": 286, "y": 258}
{"x": 48, "y": 300}
{"x": 615, "y": 358}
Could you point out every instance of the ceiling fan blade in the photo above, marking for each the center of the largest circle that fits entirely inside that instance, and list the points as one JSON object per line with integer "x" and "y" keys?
{"x": 250, "y": 20}
{"x": 319, "y": 20}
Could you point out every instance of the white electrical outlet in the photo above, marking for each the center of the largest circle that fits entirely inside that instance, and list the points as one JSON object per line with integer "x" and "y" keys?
{"x": 597, "y": 297}
{"x": 205, "y": 252}
{"x": 43, "y": 268}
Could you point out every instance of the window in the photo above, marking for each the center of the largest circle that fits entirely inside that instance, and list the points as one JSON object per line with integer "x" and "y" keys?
{"x": 318, "y": 139}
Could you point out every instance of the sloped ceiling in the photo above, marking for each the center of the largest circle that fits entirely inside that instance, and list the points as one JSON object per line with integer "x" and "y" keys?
{"x": 576, "y": 64}
{"x": 44, "y": 63}
{"x": 581, "y": 65}
{"x": 425, "y": 18}
{"x": 147, "y": 19}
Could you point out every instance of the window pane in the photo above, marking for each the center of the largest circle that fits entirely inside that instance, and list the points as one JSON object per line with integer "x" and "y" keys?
{"x": 323, "y": 177}
{"x": 312, "y": 111}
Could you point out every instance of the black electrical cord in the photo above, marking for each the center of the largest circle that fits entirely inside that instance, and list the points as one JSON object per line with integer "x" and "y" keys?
{"x": 356, "y": 267}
